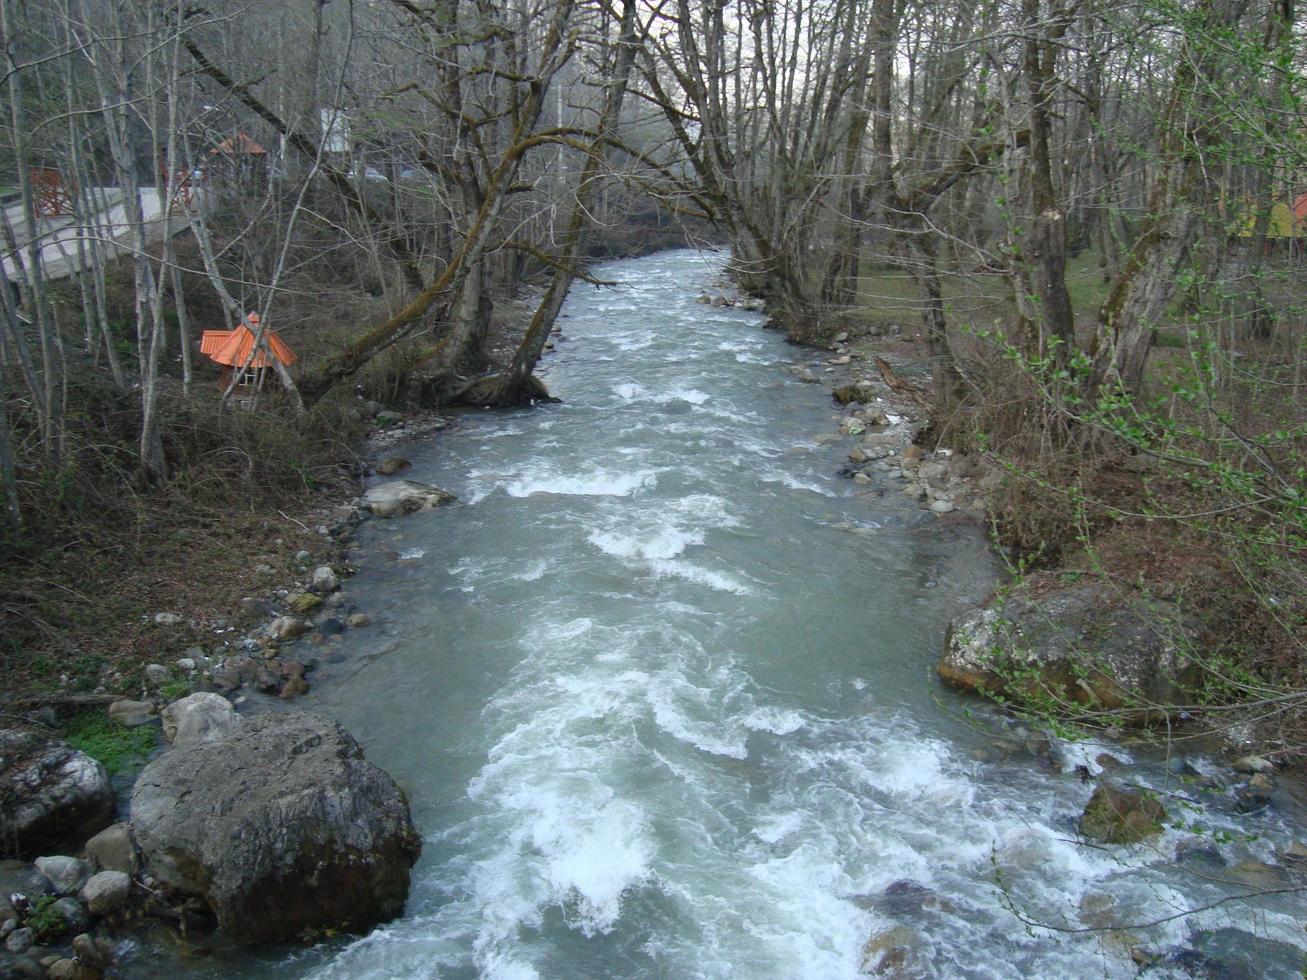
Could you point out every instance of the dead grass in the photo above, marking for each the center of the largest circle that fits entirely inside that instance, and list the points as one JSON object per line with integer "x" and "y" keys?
{"x": 99, "y": 554}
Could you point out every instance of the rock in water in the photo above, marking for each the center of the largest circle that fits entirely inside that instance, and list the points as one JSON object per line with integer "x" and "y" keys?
{"x": 1121, "y": 816}
{"x": 49, "y": 793}
{"x": 400, "y": 497}
{"x": 197, "y": 718}
{"x": 393, "y": 465}
{"x": 281, "y": 826}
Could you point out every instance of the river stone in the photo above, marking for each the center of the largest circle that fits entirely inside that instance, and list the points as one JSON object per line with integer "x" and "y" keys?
{"x": 49, "y": 793}
{"x": 198, "y": 718}
{"x": 113, "y": 848}
{"x": 357, "y": 620}
{"x": 287, "y": 628}
{"x": 1253, "y": 764}
{"x": 1121, "y": 816}
{"x": 19, "y": 941}
{"x": 91, "y": 953}
{"x": 65, "y": 874}
{"x": 325, "y": 579}
{"x": 74, "y": 914}
{"x": 399, "y": 497}
{"x": 1091, "y": 642}
{"x": 281, "y": 826}
{"x": 157, "y": 674}
{"x": 71, "y": 969}
{"x": 21, "y": 968}
{"x": 106, "y": 892}
{"x": 132, "y": 713}
{"x": 887, "y": 953}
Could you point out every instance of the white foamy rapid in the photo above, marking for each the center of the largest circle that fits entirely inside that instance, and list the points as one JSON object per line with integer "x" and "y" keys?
{"x": 661, "y": 714}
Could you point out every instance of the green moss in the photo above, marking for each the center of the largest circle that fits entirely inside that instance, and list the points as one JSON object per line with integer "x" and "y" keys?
{"x": 303, "y": 602}
{"x": 114, "y": 746}
{"x": 45, "y": 921}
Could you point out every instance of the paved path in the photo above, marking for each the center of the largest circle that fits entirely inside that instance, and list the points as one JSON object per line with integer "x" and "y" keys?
{"x": 58, "y": 236}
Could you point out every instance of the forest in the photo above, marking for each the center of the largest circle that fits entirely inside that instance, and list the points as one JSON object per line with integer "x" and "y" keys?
{"x": 1093, "y": 217}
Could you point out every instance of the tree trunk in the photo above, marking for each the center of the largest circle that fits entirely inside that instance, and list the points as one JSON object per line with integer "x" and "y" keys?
{"x": 1143, "y": 291}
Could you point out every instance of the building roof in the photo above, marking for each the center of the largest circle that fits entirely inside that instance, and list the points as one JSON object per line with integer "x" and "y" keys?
{"x": 240, "y": 143}
{"x": 233, "y": 347}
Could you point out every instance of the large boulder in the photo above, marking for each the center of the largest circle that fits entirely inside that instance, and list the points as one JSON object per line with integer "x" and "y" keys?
{"x": 1088, "y": 642}
{"x": 50, "y": 794}
{"x": 398, "y": 497}
{"x": 281, "y": 826}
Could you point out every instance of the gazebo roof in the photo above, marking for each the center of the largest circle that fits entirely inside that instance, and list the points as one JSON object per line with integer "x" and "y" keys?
{"x": 233, "y": 347}
{"x": 240, "y": 143}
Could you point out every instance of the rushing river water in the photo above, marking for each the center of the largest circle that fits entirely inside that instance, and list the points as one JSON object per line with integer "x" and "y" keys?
{"x": 661, "y": 689}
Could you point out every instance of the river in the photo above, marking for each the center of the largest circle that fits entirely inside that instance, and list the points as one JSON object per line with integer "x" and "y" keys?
{"x": 661, "y": 689}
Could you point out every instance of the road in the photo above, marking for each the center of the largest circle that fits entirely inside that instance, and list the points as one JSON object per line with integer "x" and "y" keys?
{"x": 58, "y": 236}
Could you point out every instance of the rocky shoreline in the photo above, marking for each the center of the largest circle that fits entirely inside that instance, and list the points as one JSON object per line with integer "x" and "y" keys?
{"x": 1056, "y": 639}
{"x": 79, "y": 884}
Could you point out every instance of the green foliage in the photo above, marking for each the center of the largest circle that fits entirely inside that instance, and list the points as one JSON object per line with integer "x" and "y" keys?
{"x": 116, "y": 747}
{"x": 173, "y": 690}
{"x": 45, "y": 921}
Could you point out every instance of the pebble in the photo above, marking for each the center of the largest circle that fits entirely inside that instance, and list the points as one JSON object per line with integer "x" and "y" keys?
{"x": 167, "y": 619}
{"x": 942, "y": 507}
{"x": 358, "y": 619}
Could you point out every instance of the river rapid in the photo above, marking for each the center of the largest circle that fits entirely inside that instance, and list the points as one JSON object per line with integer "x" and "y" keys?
{"x": 660, "y": 686}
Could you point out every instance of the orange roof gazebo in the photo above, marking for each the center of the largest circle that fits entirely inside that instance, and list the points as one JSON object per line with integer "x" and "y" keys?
{"x": 233, "y": 347}
{"x": 237, "y": 145}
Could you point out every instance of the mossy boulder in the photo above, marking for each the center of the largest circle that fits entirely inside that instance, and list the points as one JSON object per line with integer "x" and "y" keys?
{"x": 1115, "y": 815}
{"x": 845, "y": 394}
{"x": 303, "y": 603}
{"x": 1050, "y": 644}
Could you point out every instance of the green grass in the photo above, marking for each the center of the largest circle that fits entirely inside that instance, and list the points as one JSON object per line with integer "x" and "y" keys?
{"x": 981, "y": 299}
{"x": 116, "y": 747}
{"x": 174, "y": 690}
